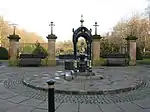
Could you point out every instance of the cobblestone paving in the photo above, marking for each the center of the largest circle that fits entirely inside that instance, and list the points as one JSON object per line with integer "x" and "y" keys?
{"x": 12, "y": 80}
{"x": 15, "y": 84}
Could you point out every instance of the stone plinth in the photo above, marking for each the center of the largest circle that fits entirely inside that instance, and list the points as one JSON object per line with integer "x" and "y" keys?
{"x": 95, "y": 49}
{"x": 51, "y": 49}
{"x": 13, "y": 48}
{"x": 131, "y": 40}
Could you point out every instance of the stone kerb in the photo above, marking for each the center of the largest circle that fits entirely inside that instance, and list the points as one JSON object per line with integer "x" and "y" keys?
{"x": 138, "y": 84}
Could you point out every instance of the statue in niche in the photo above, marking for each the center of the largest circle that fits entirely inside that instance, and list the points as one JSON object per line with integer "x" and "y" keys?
{"x": 83, "y": 49}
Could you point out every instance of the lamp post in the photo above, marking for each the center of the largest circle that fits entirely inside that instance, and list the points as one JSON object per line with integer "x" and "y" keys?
{"x": 14, "y": 28}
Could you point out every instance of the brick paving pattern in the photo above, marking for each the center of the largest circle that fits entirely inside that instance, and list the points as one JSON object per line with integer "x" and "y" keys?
{"x": 17, "y": 97}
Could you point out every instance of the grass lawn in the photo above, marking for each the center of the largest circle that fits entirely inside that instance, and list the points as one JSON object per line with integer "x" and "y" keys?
{"x": 4, "y": 60}
{"x": 144, "y": 61}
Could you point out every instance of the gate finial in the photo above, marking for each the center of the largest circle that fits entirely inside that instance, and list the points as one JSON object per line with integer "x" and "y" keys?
{"x": 14, "y": 28}
{"x": 81, "y": 20}
{"x": 51, "y": 24}
{"x": 96, "y": 25}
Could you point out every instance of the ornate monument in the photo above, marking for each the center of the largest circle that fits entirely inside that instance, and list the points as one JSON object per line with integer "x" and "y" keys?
{"x": 79, "y": 61}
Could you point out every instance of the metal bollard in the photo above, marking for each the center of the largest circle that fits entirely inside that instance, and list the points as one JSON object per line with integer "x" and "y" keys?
{"x": 51, "y": 99}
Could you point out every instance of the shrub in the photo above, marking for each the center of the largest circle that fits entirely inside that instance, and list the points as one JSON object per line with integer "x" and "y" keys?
{"x": 4, "y": 54}
{"x": 39, "y": 50}
{"x": 138, "y": 54}
{"x": 100, "y": 62}
{"x": 44, "y": 62}
{"x": 13, "y": 62}
{"x": 28, "y": 49}
{"x": 146, "y": 54}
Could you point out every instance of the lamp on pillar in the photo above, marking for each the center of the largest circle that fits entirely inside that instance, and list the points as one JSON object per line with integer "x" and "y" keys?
{"x": 51, "y": 46}
{"x": 14, "y": 36}
{"x": 14, "y": 28}
{"x": 13, "y": 46}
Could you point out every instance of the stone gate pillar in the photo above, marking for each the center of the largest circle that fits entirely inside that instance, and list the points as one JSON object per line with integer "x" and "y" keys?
{"x": 131, "y": 44}
{"x": 96, "y": 47}
{"x": 51, "y": 47}
{"x": 13, "y": 48}
{"x": 51, "y": 50}
{"x": 96, "y": 50}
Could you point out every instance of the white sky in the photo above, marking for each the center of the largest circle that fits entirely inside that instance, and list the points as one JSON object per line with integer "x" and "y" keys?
{"x": 35, "y": 15}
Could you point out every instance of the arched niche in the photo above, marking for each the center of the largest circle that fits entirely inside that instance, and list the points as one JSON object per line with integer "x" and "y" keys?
{"x": 86, "y": 34}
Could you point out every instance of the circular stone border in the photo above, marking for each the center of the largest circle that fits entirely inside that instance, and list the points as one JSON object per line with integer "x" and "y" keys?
{"x": 88, "y": 92}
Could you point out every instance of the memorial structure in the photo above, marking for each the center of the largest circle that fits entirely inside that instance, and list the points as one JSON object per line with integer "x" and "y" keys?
{"x": 79, "y": 65}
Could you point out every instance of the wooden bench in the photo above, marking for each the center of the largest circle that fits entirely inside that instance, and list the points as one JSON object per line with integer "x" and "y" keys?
{"x": 29, "y": 60}
{"x": 116, "y": 59}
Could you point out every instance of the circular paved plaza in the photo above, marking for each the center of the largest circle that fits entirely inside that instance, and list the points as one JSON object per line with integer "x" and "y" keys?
{"x": 103, "y": 81}
{"x": 132, "y": 83}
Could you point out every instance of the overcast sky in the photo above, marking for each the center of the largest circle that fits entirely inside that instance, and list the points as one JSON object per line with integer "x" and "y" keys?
{"x": 35, "y": 15}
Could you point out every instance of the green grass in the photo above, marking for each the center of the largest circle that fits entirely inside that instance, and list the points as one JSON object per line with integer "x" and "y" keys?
{"x": 44, "y": 62}
{"x": 4, "y": 60}
{"x": 144, "y": 61}
{"x": 101, "y": 61}
{"x": 13, "y": 62}
{"x": 10, "y": 63}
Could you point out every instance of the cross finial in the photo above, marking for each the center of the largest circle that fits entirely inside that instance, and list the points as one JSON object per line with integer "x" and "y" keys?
{"x": 96, "y": 25}
{"x": 52, "y": 24}
{"x": 14, "y": 28}
{"x": 81, "y": 20}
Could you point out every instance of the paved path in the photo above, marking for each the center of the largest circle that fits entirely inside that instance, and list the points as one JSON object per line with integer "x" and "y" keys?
{"x": 15, "y": 97}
